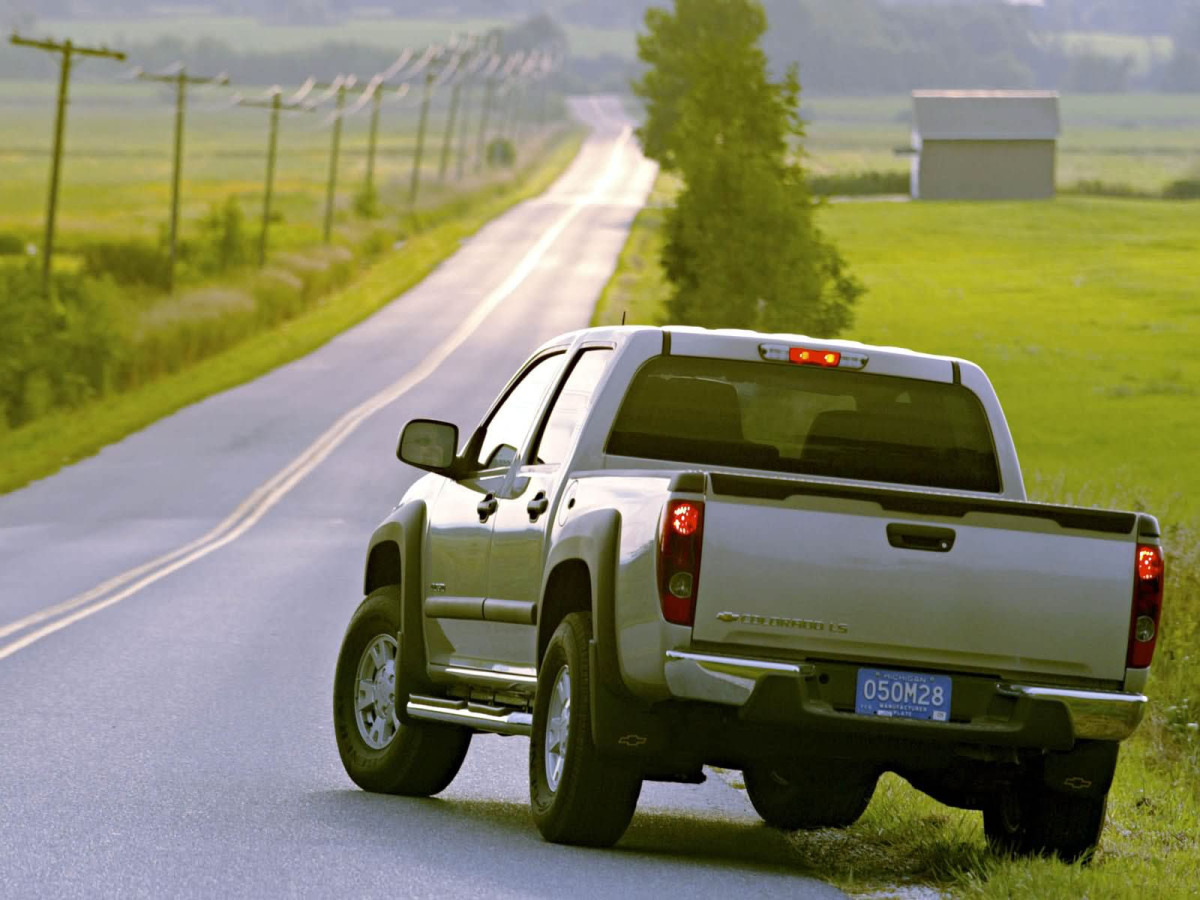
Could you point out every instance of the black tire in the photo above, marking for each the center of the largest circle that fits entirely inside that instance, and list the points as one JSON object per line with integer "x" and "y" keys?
{"x": 418, "y": 759}
{"x": 812, "y": 794}
{"x": 1025, "y": 821}
{"x": 594, "y": 797}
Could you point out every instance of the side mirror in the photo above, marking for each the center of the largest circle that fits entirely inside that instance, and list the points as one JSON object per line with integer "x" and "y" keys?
{"x": 430, "y": 445}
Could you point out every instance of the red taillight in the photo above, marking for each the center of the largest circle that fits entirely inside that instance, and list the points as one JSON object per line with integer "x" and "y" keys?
{"x": 685, "y": 518}
{"x": 1149, "y": 570}
{"x": 679, "y": 560}
{"x": 807, "y": 357}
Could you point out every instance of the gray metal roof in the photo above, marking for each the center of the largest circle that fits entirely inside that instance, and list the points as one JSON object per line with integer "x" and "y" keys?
{"x": 986, "y": 115}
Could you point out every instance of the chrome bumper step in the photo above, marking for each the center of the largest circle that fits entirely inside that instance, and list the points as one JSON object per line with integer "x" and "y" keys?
{"x": 480, "y": 716}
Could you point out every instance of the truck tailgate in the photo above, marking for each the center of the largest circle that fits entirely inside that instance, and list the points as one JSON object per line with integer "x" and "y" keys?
{"x": 990, "y": 587}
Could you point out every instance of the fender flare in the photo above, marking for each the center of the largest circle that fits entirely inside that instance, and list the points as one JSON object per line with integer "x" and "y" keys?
{"x": 594, "y": 539}
{"x": 622, "y": 725}
{"x": 406, "y": 529}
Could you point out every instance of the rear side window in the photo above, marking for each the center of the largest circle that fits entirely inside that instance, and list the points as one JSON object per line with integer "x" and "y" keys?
{"x": 809, "y": 421}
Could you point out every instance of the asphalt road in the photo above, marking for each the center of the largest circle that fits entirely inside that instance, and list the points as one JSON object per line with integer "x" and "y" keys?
{"x": 171, "y": 611}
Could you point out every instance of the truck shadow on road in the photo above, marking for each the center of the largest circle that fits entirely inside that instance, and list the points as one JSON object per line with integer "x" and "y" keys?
{"x": 661, "y": 850}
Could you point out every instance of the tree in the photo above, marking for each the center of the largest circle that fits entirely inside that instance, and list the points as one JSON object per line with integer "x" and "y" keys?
{"x": 741, "y": 249}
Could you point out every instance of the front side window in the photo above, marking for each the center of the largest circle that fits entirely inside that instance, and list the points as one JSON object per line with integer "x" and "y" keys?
{"x": 807, "y": 420}
{"x": 566, "y": 416}
{"x": 513, "y": 418}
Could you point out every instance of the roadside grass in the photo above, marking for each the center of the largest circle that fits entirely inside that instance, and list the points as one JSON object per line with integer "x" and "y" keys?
{"x": 61, "y": 437}
{"x": 1085, "y": 313}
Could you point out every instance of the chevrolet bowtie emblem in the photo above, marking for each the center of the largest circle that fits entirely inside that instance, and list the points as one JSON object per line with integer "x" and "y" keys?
{"x": 1077, "y": 782}
{"x": 632, "y": 740}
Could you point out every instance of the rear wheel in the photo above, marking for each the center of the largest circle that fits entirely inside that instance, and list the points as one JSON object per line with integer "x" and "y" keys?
{"x": 1023, "y": 821}
{"x": 826, "y": 794}
{"x": 378, "y": 753}
{"x": 577, "y": 796}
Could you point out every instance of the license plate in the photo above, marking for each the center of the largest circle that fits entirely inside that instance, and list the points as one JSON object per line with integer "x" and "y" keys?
{"x": 903, "y": 695}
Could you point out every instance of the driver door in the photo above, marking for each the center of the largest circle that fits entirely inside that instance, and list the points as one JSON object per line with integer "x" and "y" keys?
{"x": 461, "y": 520}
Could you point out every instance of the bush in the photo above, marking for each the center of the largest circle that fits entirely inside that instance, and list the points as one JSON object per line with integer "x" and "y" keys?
{"x": 859, "y": 183}
{"x": 57, "y": 351}
{"x": 222, "y": 244}
{"x": 127, "y": 263}
{"x": 11, "y": 245}
{"x": 366, "y": 203}
{"x": 1182, "y": 189}
{"x": 1094, "y": 187}
{"x": 501, "y": 153}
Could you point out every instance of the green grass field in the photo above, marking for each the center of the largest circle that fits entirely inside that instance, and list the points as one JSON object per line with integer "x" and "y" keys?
{"x": 117, "y": 164}
{"x": 1085, "y": 313}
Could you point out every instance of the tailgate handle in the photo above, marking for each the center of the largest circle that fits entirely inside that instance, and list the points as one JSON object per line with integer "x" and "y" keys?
{"x": 920, "y": 537}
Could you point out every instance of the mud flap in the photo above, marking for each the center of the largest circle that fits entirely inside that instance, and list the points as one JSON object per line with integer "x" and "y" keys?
{"x": 1086, "y": 771}
{"x": 622, "y": 726}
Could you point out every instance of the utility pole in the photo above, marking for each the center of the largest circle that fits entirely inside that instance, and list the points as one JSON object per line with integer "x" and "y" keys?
{"x": 374, "y": 95}
{"x": 340, "y": 85}
{"x": 67, "y": 49}
{"x": 488, "y": 97}
{"x": 275, "y": 104}
{"x": 372, "y": 139}
{"x": 415, "y": 185}
{"x": 462, "y": 135}
{"x": 180, "y": 78}
{"x": 449, "y": 135}
{"x": 517, "y": 112}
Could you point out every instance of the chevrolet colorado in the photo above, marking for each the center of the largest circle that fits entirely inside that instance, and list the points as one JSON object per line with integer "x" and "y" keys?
{"x": 811, "y": 560}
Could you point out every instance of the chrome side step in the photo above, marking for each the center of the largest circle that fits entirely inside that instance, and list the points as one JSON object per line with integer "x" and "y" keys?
{"x": 480, "y": 716}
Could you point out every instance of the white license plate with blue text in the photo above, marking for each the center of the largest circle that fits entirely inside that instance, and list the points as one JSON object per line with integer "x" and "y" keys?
{"x": 903, "y": 695}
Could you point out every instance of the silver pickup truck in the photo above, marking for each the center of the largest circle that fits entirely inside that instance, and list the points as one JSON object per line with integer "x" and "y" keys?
{"x": 810, "y": 560}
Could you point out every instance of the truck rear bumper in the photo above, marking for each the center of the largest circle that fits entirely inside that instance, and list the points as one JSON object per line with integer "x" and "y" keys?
{"x": 819, "y": 696}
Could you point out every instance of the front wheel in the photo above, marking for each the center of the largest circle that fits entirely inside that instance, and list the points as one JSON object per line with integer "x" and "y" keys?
{"x": 577, "y": 795}
{"x": 378, "y": 753}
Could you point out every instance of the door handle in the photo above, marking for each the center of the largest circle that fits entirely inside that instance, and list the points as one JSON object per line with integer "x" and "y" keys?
{"x": 537, "y": 506}
{"x": 487, "y": 507}
{"x": 920, "y": 537}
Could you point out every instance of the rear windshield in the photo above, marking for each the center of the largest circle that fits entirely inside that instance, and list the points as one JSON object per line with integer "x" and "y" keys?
{"x": 807, "y": 420}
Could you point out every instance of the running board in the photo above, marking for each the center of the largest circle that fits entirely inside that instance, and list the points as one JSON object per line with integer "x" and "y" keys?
{"x": 480, "y": 716}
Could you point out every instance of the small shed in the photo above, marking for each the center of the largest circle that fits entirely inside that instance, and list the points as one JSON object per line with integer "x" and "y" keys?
{"x": 984, "y": 145}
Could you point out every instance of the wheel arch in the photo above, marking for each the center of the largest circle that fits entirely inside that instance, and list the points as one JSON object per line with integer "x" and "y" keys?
{"x": 587, "y": 547}
{"x": 394, "y": 559}
{"x": 568, "y": 589}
